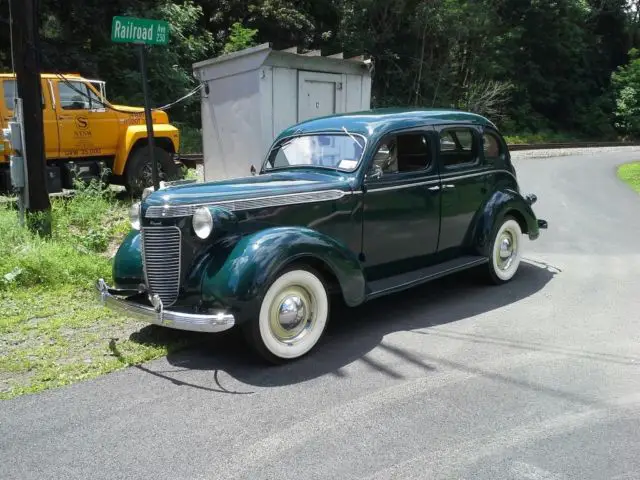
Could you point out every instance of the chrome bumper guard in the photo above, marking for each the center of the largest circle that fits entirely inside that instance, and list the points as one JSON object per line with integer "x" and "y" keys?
{"x": 195, "y": 322}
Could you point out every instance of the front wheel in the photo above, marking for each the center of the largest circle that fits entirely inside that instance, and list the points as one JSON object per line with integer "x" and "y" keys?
{"x": 293, "y": 316}
{"x": 506, "y": 251}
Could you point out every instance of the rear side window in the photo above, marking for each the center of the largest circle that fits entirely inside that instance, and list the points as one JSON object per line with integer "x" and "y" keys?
{"x": 10, "y": 92}
{"x": 492, "y": 148}
{"x": 457, "y": 146}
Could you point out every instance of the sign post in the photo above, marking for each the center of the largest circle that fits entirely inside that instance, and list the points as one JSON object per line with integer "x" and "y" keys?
{"x": 143, "y": 32}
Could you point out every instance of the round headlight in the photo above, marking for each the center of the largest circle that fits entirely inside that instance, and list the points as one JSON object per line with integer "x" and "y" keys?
{"x": 202, "y": 222}
{"x": 134, "y": 216}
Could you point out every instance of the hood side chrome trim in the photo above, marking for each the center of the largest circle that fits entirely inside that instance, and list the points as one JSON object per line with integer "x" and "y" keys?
{"x": 172, "y": 211}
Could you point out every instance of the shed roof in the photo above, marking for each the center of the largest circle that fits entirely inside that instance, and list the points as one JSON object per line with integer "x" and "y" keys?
{"x": 255, "y": 57}
{"x": 383, "y": 120}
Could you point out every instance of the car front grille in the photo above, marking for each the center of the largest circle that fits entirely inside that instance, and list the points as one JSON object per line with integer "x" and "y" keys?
{"x": 161, "y": 249}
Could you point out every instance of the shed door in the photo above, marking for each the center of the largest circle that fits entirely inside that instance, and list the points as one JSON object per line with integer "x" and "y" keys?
{"x": 319, "y": 94}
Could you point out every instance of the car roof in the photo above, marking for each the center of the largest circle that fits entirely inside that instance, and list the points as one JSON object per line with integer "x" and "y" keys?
{"x": 380, "y": 121}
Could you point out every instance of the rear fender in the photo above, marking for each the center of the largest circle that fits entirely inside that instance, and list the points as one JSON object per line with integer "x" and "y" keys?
{"x": 254, "y": 262}
{"x": 502, "y": 203}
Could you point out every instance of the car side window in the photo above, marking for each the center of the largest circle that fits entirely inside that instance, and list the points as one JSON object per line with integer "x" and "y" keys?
{"x": 492, "y": 148}
{"x": 408, "y": 152}
{"x": 458, "y": 146}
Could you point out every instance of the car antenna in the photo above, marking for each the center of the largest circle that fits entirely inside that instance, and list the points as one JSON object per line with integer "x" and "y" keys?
{"x": 352, "y": 137}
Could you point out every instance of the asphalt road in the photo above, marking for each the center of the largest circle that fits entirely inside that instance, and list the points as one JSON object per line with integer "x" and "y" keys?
{"x": 538, "y": 379}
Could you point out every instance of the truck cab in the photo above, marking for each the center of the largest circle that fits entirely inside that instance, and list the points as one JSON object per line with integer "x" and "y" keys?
{"x": 84, "y": 134}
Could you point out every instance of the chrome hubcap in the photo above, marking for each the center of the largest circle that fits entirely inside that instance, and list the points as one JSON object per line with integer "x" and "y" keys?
{"x": 506, "y": 250}
{"x": 291, "y": 314}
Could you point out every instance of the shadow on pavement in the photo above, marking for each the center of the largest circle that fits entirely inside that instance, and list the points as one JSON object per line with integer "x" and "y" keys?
{"x": 352, "y": 332}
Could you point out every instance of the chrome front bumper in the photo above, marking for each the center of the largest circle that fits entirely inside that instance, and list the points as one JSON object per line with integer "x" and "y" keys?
{"x": 195, "y": 322}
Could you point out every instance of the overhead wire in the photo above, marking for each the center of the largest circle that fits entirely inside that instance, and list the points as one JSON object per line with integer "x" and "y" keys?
{"x": 108, "y": 106}
{"x": 111, "y": 107}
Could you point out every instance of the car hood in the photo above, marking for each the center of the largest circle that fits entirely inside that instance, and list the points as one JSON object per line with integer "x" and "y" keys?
{"x": 265, "y": 185}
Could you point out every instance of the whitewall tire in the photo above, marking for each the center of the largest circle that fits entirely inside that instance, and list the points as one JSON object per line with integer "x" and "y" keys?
{"x": 506, "y": 251}
{"x": 293, "y": 316}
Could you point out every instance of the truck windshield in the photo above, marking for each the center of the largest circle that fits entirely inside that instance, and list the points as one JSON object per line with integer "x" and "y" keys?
{"x": 333, "y": 151}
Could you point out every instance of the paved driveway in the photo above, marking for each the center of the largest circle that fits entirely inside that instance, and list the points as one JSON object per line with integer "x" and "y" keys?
{"x": 538, "y": 379}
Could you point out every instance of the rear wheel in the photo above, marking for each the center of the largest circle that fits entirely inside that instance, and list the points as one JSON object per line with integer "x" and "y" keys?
{"x": 293, "y": 316}
{"x": 506, "y": 251}
{"x": 140, "y": 171}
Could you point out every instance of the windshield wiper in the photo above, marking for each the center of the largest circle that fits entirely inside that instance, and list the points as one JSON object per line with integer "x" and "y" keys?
{"x": 350, "y": 135}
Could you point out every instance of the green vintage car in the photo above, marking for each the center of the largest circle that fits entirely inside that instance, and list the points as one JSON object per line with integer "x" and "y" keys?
{"x": 350, "y": 206}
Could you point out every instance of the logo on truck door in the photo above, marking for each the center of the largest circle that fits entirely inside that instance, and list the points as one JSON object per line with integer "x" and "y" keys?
{"x": 82, "y": 122}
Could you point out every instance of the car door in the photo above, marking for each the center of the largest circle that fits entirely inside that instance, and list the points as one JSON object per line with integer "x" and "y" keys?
{"x": 464, "y": 185}
{"x": 86, "y": 127}
{"x": 401, "y": 207}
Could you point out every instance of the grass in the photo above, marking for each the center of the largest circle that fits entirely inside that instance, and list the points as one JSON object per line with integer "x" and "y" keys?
{"x": 630, "y": 174}
{"x": 53, "y": 331}
{"x": 539, "y": 137}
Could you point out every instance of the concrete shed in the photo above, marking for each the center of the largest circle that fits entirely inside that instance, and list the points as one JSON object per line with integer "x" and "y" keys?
{"x": 252, "y": 95}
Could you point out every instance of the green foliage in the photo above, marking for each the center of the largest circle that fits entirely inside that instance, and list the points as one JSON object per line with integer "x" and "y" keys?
{"x": 83, "y": 226}
{"x": 630, "y": 174}
{"x": 532, "y": 66}
{"x": 543, "y": 136}
{"x": 626, "y": 85}
{"x": 239, "y": 38}
{"x": 190, "y": 138}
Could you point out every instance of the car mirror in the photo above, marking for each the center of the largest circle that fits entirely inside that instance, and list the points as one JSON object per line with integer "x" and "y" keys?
{"x": 375, "y": 172}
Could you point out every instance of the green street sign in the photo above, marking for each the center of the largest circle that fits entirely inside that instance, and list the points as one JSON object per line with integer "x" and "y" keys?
{"x": 139, "y": 30}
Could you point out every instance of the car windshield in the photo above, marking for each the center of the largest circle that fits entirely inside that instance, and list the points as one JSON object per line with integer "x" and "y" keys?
{"x": 334, "y": 151}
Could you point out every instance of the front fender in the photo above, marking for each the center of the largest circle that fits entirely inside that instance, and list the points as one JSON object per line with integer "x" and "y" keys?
{"x": 501, "y": 203}
{"x": 127, "y": 264}
{"x": 137, "y": 132}
{"x": 256, "y": 259}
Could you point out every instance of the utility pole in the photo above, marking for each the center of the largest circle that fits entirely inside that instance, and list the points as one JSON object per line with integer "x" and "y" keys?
{"x": 26, "y": 52}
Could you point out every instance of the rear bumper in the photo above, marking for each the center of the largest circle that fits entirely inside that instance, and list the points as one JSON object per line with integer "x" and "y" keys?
{"x": 540, "y": 223}
{"x": 195, "y": 322}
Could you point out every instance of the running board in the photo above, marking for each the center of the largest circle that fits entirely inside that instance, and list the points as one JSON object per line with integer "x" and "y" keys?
{"x": 416, "y": 277}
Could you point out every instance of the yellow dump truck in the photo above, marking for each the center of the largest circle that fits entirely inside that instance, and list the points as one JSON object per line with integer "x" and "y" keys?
{"x": 84, "y": 133}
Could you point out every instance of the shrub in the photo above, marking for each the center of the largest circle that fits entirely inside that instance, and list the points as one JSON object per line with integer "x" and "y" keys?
{"x": 84, "y": 227}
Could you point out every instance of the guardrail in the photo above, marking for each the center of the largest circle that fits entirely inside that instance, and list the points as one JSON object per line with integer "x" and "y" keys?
{"x": 558, "y": 145}
{"x": 191, "y": 160}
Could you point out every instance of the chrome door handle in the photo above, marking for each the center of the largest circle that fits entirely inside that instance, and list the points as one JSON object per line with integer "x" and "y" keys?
{"x": 434, "y": 189}
{"x": 448, "y": 186}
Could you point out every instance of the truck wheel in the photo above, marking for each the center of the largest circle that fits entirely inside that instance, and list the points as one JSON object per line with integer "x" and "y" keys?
{"x": 140, "y": 173}
{"x": 506, "y": 251}
{"x": 293, "y": 316}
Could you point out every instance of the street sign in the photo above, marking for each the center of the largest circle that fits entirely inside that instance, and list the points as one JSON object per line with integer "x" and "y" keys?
{"x": 143, "y": 31}
{"x": 139, "y": 30}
